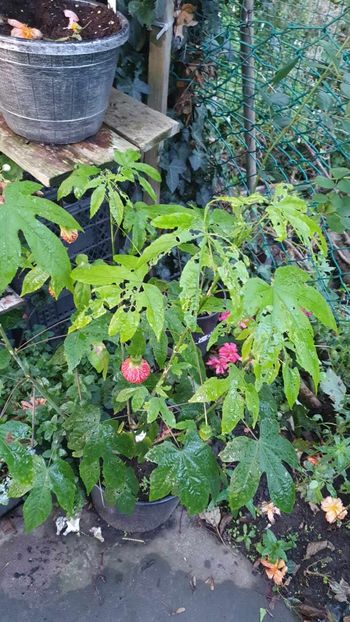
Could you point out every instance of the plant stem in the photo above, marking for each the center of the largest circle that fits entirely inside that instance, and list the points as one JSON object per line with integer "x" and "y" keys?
{"x": 36, "y": 383}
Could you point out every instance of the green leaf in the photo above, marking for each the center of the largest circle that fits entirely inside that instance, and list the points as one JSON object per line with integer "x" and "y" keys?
{"x": 99, "y": 358}
{"x": 291, "y": 380}
{"x": 116, "y": 206}
{"x": 147, "y": 170}
{"x": 284, "y": 71}
{"x": 37, "y": 507}
{"x": 77, "y": 181}
{"x": 5, "y": 358}
{"x": 19, "y": 214}
{"x": 124, "y": 324}
{"x": 63, "y": 484}
{"x": 33, "y": 280}
{"x": 101, "y": 274}
{"x": 81, "y": 425}
{"x": 232, "y": 410}
{"x": 190, "y": 291}
{"x": 265, "y": 455}
{"x": 173, "y": 221}
{"x": 17, "y": 457}
{"x": 191, "y": 473}
{"x": 163, "y": 245}
{"x": 97, "y": 199}
{"x": 155, "y": 308}
{"x": 324, "y": 182}
{"x": 211, "y": 390}
{"x": 338, "y": 172}
{"x": 78, "y": 344}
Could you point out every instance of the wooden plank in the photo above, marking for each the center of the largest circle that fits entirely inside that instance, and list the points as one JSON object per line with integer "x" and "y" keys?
{"x": 49, "y": 163}
{"x": 158, "y": 73}
{"x": 137, "y": 123}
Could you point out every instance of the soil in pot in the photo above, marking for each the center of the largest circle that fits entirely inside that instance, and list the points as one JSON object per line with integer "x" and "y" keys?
{"x": 48, "y": 16}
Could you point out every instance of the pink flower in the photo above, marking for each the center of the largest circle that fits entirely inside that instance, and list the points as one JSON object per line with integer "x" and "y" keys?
{"x": 243, "y": 324}
{"x": 135, "y": 371}
{"x": 73, "y": 21}
{"x": 224, "y": 315}
{"x": 229, "y": 353}
{"x": 219, "y": 364}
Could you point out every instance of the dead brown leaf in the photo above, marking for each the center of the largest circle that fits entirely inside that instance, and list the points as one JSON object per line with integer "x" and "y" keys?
{"x": 341, "y": 590}
{"x": 178, "y": 611}
{"x": 310, "y": 612}
{"x": 193, "y": 583}
{"x": 316, "y": 547}
{"x": 213, "y": 517}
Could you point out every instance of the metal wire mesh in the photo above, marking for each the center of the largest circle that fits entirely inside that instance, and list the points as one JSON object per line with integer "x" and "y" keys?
{"x": 296, "y": 112}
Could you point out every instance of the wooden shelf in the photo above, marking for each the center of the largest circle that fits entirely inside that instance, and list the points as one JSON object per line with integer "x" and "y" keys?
{"x": 128, "y": 124}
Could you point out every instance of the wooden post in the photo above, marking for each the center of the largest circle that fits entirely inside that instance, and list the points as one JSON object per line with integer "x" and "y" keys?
{"x": 248, "y": 89}
{"x": 159, "y": 68}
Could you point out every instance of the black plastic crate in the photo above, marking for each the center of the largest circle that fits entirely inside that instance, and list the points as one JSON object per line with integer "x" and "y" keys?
{"x": 94, "y": 241}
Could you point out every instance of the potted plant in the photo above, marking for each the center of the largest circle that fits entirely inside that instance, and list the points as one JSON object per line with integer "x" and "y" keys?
{"x": 170, "y": 407}
{"x": 58, "y": 67}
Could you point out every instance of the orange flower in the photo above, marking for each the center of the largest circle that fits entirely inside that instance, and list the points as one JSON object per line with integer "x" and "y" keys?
{"x": 31, "y": 404}
{"x": 68, "y": 235}
{"x": 276, "y": 571}
{"x": 270, "y": 509}
{"x": 314, "y": 459}
{"x": 23, "y": 31}
{"x": 334, "y": 509}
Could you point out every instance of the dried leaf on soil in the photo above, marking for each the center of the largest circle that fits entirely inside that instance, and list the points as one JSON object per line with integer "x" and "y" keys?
{"x": 316, "y": 547}
{"x": 178, "y": 611}
{"x": 341, "y": 590}
{"x": 97, "y": 533}
{"x": 311, "y": 612}
{"x": 212, "y": 517}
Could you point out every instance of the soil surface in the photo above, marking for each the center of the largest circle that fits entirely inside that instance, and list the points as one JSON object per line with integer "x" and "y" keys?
{"x": 311, "y": 587}
{"x": 48, "y": 16}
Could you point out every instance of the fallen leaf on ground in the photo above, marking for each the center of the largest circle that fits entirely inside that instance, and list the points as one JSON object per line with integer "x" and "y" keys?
{"x": 311, "y": 612}
{"x": 178, "y": 611}
{"x": 193, "y": 583}
{"x": 341, "y": 590}
{"x": 70, "y": 525}
{"x": 213, "y": 517}
{"x": 315, "y": 547}
{"x": 96, "y": 532}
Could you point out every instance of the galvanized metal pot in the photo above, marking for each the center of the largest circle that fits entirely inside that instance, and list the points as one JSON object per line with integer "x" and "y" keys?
{"x": 58, "y": 92}
{"x": 145, "y": 517}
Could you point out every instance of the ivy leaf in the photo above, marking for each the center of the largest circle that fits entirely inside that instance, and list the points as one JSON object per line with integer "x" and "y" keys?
{"x": 155, "y": 309}
{"x": 191, "y": 473}
{"x": 20, "y": 213}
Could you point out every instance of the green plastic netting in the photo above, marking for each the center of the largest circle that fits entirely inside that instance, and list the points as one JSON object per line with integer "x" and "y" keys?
{"x": 279, "y": 110}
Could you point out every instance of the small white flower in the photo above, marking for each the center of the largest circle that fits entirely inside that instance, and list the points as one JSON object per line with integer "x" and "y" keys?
{"x": 6, "y": 168}
{"x": 139, "y": 437}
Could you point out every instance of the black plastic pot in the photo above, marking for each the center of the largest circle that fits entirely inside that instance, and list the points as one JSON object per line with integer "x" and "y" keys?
{"x": 145, "y": 517}
{"x": 11, "y": 505}
{"x": 58, "y": 92}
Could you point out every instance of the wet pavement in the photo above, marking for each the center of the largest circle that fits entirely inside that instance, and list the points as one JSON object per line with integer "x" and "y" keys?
{"x": 181, "y": 571}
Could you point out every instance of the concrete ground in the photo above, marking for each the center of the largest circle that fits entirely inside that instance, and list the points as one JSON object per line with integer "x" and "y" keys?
{"x": 181, "y": 571}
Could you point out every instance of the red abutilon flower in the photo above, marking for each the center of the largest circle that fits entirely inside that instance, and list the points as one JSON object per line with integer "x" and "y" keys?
{"x": 224, "y": 315}
{"x": 229, "y": 353}
{"x": 23, "y": 31}
{"x": 135, "y": 370}
{"x": 219, "y": 364}
{"x": 68, "y": 235}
